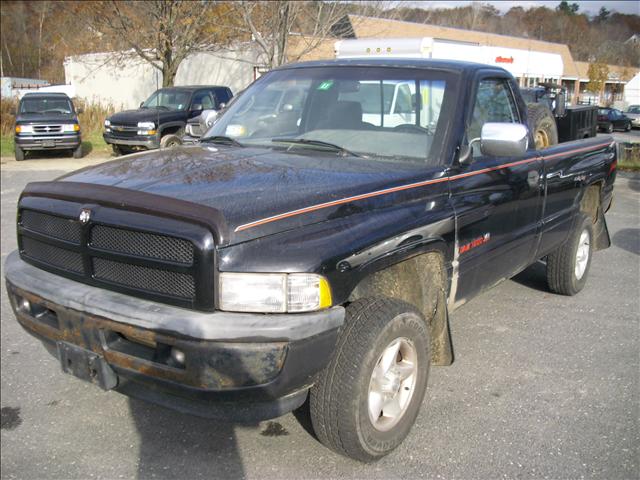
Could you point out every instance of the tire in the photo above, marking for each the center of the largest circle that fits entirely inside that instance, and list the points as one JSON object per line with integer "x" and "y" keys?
{"x": 627, "y": 128}
{"x": 116, "y": 149}
{"x": 19, "y": 154}
{"x": 77, "y": 152}
{"x": 567, "y": 267}
{"x": 610, "y": 128}
{"x": 169, "y": 141}
{"x": 339, "y": 401}
{"x": 542, "y": 125}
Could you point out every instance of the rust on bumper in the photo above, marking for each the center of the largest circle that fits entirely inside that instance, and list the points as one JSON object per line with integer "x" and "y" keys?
{"x": 206, "y": 365}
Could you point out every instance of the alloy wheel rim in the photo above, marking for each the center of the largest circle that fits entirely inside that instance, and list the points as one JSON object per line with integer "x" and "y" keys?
{"x": 392, "y": 384}
{"x": 582, "y": 254}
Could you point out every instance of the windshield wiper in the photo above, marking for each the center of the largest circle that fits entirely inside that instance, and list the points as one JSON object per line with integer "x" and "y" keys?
{"x": 222, "y": 140}
{"x": 316, "y": 143}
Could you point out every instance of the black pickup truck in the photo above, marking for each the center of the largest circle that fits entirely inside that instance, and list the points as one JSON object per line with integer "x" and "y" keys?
{"x": 161, "y": 119}
{"x": 308, "y": 250}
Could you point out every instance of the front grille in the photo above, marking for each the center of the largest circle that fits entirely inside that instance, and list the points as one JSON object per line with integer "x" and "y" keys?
{"x": 124, "y": 131}
{"x": 52, "y": 226}
{"x": 142, "y": 244}
{"x": 162, "y": 281}
{"x": 47, "y": 128}
{"x": 161, "y": 266}
{"x": 55, "y": 256}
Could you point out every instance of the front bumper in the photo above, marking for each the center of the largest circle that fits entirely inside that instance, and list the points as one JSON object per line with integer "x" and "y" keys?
{"x": 48, "y": 142}
{"x": 145, "y": 141}
{"x": 236, "y": 366}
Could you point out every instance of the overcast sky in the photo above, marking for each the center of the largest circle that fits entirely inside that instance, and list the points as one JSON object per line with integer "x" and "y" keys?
{"x": 586, "y": 6}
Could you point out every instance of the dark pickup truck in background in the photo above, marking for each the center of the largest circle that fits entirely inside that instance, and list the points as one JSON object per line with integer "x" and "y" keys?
{"x": 161, "y": 119}
{"x": 47, "y": 121}
{"x": 311, "y": 252}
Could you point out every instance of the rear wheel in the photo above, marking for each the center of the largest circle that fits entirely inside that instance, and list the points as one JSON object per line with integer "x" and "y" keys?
{"x": 19, "y": 153}
{"x": 542, "y": 125}
{"x": 568, "y": 266}
{"x": 628, "y": 127}
{"x": 367, "y": 399}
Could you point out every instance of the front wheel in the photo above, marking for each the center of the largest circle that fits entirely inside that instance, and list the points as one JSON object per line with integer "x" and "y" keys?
{"x": 628, "y": 127}
{"x": 19, "y": 153}
{"x": 77, "y": 152}
{"x": 610, "y": 128}
{"x": 568, "y": 266}
{"x": 170, "y": 141}
{"x": 367, "y": 399}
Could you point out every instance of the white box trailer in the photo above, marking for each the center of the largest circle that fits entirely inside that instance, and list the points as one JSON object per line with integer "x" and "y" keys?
{"x": 520, "y": 63}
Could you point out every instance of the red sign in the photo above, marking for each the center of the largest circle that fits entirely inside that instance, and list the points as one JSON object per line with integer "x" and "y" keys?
{"x": 504, "y": 60}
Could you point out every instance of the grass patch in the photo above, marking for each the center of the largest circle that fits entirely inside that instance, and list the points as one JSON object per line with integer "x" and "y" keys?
{"x": 92, "y": 144}
{"x": 629, "y": 156}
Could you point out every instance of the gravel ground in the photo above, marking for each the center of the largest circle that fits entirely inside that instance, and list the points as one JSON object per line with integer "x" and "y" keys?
{"x": 543, "y": 386}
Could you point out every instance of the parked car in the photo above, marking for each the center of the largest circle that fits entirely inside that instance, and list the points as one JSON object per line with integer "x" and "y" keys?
{"x": 161, "y": 119}
{"x": 308, "y": 254}
{"x": 47, "y": 121}
{"x": 610, "y": 119}
{"x": 633, "y": 112}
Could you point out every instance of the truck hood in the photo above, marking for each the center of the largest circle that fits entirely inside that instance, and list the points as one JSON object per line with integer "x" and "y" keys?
{"x": 248, "y": 185}
{"x": 132, "y": 117}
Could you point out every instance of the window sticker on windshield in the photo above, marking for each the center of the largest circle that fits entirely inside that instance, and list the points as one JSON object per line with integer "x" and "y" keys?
{"x": 326, "y": 85}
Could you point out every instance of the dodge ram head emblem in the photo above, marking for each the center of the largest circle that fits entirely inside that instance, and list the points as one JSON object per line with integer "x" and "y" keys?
{"x": 85, "y": 215}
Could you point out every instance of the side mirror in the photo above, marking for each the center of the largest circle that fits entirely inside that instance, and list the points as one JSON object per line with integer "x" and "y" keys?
{"x": 141, "y": 104}
{"x": 222, "y": 105}
{"x": 497, "y": 140}
{"x": 504, "y": 139}
{"x": 208, "y": 118}
{"x": 196, "y": 107}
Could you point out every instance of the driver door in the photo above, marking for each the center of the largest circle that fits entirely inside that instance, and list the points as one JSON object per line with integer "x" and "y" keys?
{"x": 497, "y": 200}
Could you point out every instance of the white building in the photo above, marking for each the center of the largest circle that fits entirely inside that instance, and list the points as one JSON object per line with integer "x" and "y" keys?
{"x": 124, "y": 81}
{"x": 527, "y": 66}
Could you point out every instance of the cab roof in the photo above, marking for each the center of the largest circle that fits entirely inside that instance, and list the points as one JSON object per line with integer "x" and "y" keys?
{"x": 418, "y": 63}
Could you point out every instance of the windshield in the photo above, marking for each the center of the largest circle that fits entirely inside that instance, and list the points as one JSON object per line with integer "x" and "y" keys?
{"x": 380, "y": 113}
{"x": 634, "y": 109}
{"x": 168, "y": 100}
{"x": 46, "y": 105}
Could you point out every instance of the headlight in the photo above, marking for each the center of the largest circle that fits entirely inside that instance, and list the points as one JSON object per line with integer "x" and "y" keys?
{"x": 71, "y": 127}
{"x": 107, "y": 123}
{"x": 24, "y": 128}
{"x": 273, "y": 292}
{"x": 146, "y": 128}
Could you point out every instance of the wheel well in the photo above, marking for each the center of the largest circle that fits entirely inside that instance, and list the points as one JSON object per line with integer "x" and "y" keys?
{"x": 420, "y": 281}
{"x": 170, "y": 130}
{"x": 591, "y": 201}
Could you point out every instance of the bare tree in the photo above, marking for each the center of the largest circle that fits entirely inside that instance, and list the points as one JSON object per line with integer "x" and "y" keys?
{"x": 159, "y": 32}
{"x": 286, "y": 31}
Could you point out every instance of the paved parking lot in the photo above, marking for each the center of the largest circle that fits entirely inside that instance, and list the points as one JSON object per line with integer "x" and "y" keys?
{"x": 543, "y": 386}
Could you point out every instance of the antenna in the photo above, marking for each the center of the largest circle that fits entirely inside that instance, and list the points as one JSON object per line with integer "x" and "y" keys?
{"x": 157, "y": 107}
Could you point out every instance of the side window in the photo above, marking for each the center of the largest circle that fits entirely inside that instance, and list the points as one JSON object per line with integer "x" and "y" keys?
{"x": 494, "y": 103}
{"x": 222, "y": 95}
{"x": 203, "y": 99}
